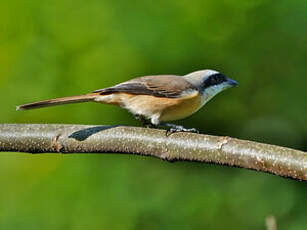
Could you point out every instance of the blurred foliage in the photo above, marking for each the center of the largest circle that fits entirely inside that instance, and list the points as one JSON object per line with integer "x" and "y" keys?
{"x": 59, "y": 48}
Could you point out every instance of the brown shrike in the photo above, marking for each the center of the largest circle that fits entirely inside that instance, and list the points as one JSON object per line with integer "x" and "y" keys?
{"x": 154, "y": 99}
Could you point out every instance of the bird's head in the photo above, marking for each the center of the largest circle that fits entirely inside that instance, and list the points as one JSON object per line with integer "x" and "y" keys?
{"x": 209, "y": 82}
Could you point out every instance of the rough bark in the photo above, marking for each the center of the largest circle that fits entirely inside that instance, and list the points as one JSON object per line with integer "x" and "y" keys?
{"x": 53, "y": 138}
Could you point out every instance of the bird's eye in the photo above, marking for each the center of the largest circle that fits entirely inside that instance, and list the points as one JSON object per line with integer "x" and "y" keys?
{"x": 217, "y": 79}
{"x": 214, "y": 80}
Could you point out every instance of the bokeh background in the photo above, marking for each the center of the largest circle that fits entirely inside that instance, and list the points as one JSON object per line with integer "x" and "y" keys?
{"x": 60, "y": 48}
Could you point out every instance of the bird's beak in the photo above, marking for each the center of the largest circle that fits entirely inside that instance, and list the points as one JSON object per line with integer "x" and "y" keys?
{"x": 231, "y": 82}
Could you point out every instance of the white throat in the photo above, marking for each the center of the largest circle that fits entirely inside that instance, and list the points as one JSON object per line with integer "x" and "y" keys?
{"x": 210, "y": 92}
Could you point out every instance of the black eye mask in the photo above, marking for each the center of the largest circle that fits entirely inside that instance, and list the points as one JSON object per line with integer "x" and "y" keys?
{"x": 215, "y": 79}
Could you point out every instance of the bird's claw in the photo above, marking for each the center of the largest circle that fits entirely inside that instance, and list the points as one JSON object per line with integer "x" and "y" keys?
{"x": 149, "y": 125}
{"x": 180, "y": 129}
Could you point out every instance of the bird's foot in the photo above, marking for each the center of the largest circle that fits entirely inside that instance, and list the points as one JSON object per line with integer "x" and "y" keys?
{"x": 178, "y": 128}
{"x": 145, "y": 122}
{"x": 149, "y": 125}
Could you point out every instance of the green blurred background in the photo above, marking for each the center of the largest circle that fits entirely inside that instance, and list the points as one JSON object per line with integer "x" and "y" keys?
{"x": 60, "y": 48}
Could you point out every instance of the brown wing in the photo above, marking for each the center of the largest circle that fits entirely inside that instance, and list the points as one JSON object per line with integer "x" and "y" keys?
{"x": 169, "y": 86}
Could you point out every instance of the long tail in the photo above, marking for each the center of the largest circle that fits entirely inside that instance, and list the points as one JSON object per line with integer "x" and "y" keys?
{"x": 58, "y": 101}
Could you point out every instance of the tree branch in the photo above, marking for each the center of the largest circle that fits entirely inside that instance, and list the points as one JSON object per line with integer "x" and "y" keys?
{"x": 52, "y": 138}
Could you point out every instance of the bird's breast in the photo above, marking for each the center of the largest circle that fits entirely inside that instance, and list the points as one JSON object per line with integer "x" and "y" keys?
{"x": 183, "y": 109}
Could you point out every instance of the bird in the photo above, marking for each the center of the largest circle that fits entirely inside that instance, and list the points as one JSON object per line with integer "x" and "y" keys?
{"x": 155, "y": 99}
